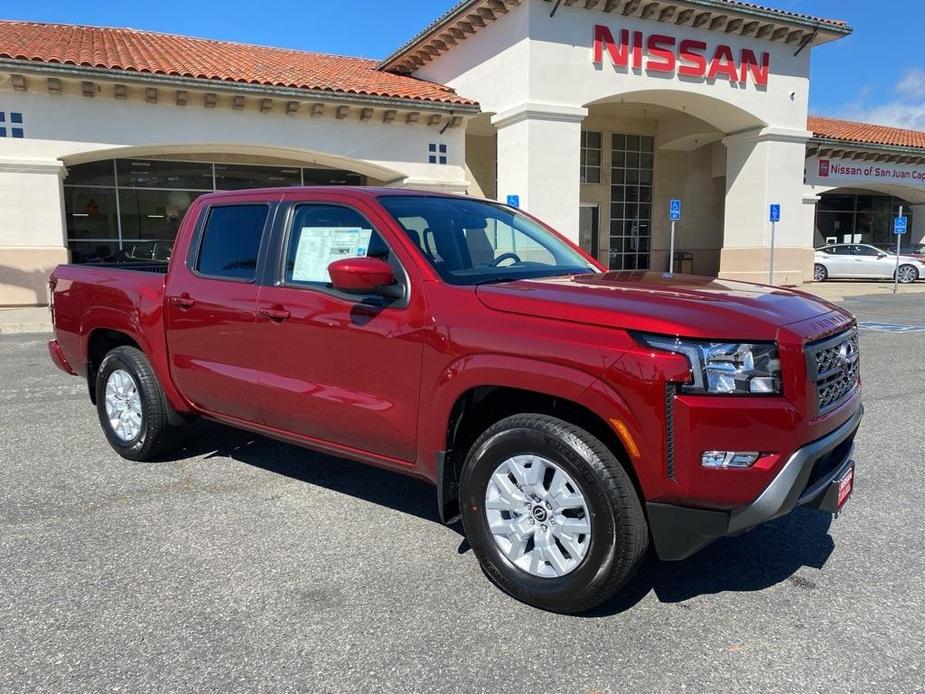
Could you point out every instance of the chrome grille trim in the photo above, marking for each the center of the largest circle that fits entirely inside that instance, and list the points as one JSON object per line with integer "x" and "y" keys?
{"x": 834, "y": 366}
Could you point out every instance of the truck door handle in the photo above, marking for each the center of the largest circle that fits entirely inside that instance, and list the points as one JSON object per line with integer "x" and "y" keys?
{"x": 183, "y": 301}
{"x": 277, "y": 313}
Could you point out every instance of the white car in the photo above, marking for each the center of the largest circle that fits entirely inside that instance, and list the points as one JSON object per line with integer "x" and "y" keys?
{"x": 861, "y": 261}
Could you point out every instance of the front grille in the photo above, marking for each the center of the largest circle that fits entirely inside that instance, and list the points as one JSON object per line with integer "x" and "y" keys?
{"x": 834, "y": 364}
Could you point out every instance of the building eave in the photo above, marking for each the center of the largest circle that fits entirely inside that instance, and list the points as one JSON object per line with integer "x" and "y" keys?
{"x": 67, "y": 70}
{"x": 725, "y": 16}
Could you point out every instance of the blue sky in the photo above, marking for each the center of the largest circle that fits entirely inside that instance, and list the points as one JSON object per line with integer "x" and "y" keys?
{"x": 877, "y": 74}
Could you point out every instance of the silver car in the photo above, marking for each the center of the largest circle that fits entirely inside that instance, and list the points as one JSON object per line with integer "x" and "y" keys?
{"x": 861, "y": 261}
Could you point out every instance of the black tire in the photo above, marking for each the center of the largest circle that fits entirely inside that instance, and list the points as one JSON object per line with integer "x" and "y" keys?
{"x": 820, "y": 274}
{"x": 906, "y": 267}
{"x": 619, "y": 534}
{"x": 156, "y": 435}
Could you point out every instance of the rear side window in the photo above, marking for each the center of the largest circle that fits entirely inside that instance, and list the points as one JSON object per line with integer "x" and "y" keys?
{"x": 231, "y": 241}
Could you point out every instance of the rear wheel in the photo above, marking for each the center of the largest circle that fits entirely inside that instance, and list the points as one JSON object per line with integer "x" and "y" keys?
{"x": 820, "y": 274}
{"x": 551, "y": 514}
{"x": 907, "y": 274}
{"x": 131, "y": 406}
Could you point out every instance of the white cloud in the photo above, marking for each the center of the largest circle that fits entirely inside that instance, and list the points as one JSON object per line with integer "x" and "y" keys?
{"x": 912, "y": 85}
{"x": 907, "y": 110}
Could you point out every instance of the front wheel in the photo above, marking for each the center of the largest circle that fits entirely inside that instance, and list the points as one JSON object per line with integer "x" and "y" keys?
{"x": 907, "y": 273}
{"x": 131, "y": 406}
{"x": 820, "y": 274}
{"x": 551, "y": 514}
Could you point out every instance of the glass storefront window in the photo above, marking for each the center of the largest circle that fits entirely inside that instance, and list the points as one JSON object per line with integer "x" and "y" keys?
{"x": 153, "y": 214}
{"x": 864, "y": 218}
{"x": 131, "y": 208}
{"x": 143, "y": 173}
{"x": 96, "y": 173}
{"x": 632, "y": 167}
{"x": 239, "y": 177}
{"x": 92, "y": 251}
{"x": 90, "y": 213}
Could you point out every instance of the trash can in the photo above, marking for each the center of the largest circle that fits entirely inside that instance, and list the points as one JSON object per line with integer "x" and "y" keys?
{"x": 684, "y": 262}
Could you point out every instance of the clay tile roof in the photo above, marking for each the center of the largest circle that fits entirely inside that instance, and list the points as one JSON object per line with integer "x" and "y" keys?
{"x": 798, "y": 16}
{"x": 864, "y": 133}
{"x": 167, "y": 54}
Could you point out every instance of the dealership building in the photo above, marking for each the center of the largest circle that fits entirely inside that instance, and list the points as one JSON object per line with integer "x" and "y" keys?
{"x": 591, "y": 114}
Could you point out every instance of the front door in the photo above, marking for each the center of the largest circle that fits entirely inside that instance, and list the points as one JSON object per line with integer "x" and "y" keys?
{"x": 211, "y": 301}
{"x": 339, "y": 368}
{"x": 589, "y": 230}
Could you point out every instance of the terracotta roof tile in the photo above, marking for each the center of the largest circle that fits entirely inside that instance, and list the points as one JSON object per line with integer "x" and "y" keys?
{"x": 168, "y": 54}
{"x": 864, "y": 133}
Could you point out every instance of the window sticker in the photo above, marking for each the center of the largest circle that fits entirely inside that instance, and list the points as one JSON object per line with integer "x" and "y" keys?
{"x": 320, "y": 246}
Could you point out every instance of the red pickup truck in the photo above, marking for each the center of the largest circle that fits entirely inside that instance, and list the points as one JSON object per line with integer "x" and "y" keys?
{"x": 570, "y": 416}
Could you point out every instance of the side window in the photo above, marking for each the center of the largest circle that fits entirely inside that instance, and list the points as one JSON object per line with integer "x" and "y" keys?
{"x": 321, "y": 234}
{"x": 841, "y": 250}
{"x": 828, "y": 250}
{"x": 866, "y": 250}
{"x": 231, "y": 241}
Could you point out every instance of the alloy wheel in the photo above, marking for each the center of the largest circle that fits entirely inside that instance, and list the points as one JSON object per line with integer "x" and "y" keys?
{"x": 538, "y": 516}
{"x": 123, "y": 405}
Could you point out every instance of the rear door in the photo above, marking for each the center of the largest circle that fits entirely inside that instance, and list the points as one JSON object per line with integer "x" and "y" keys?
{"x": 339, "y": 368}
{"x": 211, "y": 302}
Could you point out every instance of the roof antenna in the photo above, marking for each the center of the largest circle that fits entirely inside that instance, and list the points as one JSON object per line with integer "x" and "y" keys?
{"x": 555, "y": 7}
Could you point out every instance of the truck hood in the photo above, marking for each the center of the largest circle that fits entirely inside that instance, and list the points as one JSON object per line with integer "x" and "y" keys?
{"x": 683, "y": 305}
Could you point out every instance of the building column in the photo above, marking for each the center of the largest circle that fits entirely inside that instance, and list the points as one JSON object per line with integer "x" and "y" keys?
{"x": 917, "y": 232}
{"x": 539, "y": 155}
{"x": 32, "y": 200}
{"x": 765, "y": 167}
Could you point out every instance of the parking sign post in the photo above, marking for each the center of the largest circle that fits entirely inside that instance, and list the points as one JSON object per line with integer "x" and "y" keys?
{"x": 674, "y": 214}
{"x": 775, "y": 218}
{"x": 899, "y": 228}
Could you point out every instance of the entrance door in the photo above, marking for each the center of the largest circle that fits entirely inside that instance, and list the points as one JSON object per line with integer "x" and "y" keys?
{"x": 589, "y": 230}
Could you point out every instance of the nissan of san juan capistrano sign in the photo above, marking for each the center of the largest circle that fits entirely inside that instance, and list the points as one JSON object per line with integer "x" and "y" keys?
{"x": 830, "y": 172}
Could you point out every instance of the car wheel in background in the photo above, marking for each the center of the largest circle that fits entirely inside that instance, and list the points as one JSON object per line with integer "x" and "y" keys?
{"x": 907, "y": 273}
{"x": 820, "y": 274}
{"x": 551, "y": 514}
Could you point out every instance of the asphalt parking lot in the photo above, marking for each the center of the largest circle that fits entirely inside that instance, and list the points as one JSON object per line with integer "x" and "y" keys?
{"x": 250, "y": 565}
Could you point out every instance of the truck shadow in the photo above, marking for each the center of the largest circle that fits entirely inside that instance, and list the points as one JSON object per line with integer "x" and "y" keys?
{"x": 766, "y": 556}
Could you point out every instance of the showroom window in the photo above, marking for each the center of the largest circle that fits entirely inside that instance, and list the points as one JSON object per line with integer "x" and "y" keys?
{"x": 630, "y": 201}
{"x": 590, "y": 157}
{"x": 130, "y": 209}
{"x": 847, "y": 217}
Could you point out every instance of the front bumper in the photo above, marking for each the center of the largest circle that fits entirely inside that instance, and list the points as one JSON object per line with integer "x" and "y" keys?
{"x": 804, "y": 480}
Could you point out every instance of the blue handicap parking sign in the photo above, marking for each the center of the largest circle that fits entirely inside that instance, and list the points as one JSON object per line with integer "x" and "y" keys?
{"x": 775, "y": 212}
{"x": 513, "y": 200}
{"x": 674, "y": 210}
{"x": 900, "y": 224}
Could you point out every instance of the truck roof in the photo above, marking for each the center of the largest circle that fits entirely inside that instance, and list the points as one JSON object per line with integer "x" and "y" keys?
{"x": 360, "y": 191}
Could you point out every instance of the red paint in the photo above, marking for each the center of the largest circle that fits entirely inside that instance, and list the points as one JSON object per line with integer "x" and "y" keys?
{"x": 664, "y": 53}
{"x": 361, "y": 275}
{"x": 321, "y": 368}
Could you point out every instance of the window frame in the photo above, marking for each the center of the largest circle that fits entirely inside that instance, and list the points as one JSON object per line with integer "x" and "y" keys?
{"x": 199, "y": 234}
{"x": 286, "y": 227}
{"x": 583, "y": 166}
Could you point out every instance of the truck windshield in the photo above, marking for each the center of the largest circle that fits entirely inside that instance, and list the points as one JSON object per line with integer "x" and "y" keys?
{"x": 478, "y": 242}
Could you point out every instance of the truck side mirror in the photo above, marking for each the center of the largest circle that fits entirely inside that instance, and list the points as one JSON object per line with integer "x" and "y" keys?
{"x": 364, "y": 276}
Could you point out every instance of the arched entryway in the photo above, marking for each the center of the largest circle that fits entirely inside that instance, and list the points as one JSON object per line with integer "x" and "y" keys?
{"x": 127, "y": 203}
{"x": 638, "y": 151}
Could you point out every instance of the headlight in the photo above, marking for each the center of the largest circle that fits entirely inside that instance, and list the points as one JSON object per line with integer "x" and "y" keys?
{"x": 725, "y": 367}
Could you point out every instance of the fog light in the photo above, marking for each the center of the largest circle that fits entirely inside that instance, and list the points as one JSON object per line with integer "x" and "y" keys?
{"x": 721, "y": 459}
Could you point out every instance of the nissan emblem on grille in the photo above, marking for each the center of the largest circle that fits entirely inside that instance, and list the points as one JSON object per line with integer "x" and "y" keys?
{"x": 833, "y": 366}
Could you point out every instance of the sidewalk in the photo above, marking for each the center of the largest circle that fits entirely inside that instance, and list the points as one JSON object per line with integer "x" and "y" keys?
{"x": 31, "y": 319}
